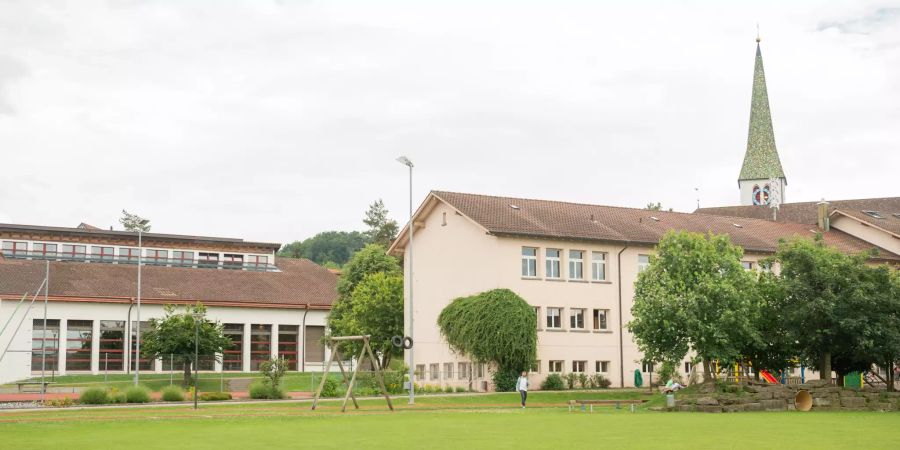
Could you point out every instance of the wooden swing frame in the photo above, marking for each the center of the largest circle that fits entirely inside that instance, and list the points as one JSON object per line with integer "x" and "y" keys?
{"x": 334, "y": 344}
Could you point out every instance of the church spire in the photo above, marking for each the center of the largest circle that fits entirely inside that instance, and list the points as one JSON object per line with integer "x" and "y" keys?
{"x": 761, "y": 160}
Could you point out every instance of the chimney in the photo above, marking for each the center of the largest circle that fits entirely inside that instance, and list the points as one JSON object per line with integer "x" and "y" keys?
{"x": 822, "y": 215}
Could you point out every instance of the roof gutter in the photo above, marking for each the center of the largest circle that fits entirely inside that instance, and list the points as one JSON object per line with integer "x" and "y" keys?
{"x": 621, "y": 328}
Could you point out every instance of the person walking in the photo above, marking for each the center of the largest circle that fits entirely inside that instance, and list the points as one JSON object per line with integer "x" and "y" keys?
{"x": 522, "y": 387}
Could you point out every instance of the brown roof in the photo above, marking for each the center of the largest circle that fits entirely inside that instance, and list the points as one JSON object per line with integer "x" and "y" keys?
{"x": 805, "y": 212}
{"x": 300, "y": 283}
{"x": 562, "y": 220}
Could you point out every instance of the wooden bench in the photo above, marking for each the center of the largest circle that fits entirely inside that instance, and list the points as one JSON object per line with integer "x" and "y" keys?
{"x": 42, "y": 386}
{"x": 591, "y": 403}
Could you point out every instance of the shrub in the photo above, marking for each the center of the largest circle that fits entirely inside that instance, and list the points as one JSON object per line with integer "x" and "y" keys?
{"x": 273, "y": 370}
{"x": 266, "y": 391}
{"x": 583, "y": 380}
{"x": 505, "y": 380}
{"x": 600, "y": 381}
{"x": 94, "y": 396}
{"x": 137, "y": 394}
{"x": 214, "y": 396}
{"x": 448, "y": 389}
{"x": 571, "y": 378}
{"x": 114, "y": 395}
{"x": 172, "y": 394}
{"x": 460, "y": 389}
{"x": 330, "y": 388}
{"x": 64, "y": 402}
{"x": 553, "y": 382}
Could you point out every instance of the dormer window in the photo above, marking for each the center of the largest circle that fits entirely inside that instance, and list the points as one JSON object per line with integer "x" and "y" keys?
{"x": 873, "y": 214}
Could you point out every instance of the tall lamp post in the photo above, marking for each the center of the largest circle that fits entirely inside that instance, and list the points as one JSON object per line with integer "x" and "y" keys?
{"x": 137, "y": 351}
{"x": 197, "y": 318}
{"x": 412, "y": 382}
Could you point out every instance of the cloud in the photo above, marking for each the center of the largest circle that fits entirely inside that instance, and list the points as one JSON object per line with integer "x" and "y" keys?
{"x": 878, "y": 19}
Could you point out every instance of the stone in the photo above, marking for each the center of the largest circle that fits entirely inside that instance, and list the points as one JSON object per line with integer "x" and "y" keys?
{"x": 853, "y": 402}
{"x": 765, "y": 395}
{"x": 848, "y": 393}
{"x": 686, "y": 408}
{"x": 821, "y": 402}
{"x": 773, "y": 405}
{"x": 734, "y": 408}
{"x": 709, "y": 408}
{"x": 707, "y": 401}
{"x": 753, "y": 407}
{"x": 656, "y": 408}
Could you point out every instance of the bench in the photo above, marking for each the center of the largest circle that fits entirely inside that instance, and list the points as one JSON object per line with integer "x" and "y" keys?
{"x": 42, "y": 386}
{"x": 591, "y": 403}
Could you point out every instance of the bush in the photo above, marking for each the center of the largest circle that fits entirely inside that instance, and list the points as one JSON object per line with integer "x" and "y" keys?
{"x": 137, "y": 394}
{"x": 571, "y": 378}
{"x": 583, "y": 380}
{"x": 114, "y": 395}
{"x": 330, "y": 388}
{"x": 94, "y": 396}
{"x": 266, "y": 391}
{"x": 553, "y": 382}
{"x": 172, "y": 394}
{"x": 460, "y": 389}
{"x": 64, "y": 402}
{"x": 600, "y": 381}
{"x": 505, "y": 380}
{"x": 448, "y": 389}
{"x": 214, "y": 396}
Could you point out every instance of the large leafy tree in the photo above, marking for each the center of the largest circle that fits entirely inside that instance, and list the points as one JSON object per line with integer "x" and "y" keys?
{"x": 174, "y": 334}
{"x": 378, "y": 311}
{"x": 382, "y": 230}
{"x": 775, "y": 348}
{"x": 695, "y": 295}
{"x": 326, "y": 248}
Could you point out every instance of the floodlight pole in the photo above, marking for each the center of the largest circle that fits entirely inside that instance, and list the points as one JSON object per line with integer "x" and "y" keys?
{"x": 137, "y": 351}
{"x": 412, "y": 373}
{"x": 44, "y": 333}
{"x": 196, "y": 355}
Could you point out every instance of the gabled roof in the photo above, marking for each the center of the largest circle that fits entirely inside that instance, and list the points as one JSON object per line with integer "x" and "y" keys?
{"x": 508, "y": 216}
{"x": 761, "y": 160}
{"x": 299, "y": 284}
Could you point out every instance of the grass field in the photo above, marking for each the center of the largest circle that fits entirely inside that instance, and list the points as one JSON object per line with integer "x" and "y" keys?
{"x": 293, "y": 381}
{"x": 478, "y": 421}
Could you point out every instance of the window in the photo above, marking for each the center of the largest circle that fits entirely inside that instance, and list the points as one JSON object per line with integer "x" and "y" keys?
{"x": 554, "y": 319}
{"x": 232, "y": 261}
{"x": 600, "y": 319}
{"x": 576, "y": 265}
{"x": 50, "y": 343}
{"x": 232, "y": 358}
{"x": 647, "y": 366}
{"x": 529, "y": 262}
{"x": 601, "y": 367}
{"x": 288, "y": 344}
{"x": 260, "y": 345}
{"x": 313, "y": 348}
{"x": 210, "y": 260}
{"x": 146, "y": 363}
{"x": 434, "y": 371}
{"x": 182, "y": 258}
{"x": 598, "y": 266}
{"x": 643, "y": 262}
{"x": 79, "y": 343}
{"x": 536, "y": 367}
{"x": 687, "y": 367}
{"x": 448, "y": 371}
{"x": 74, "y": 251}
{"x": 578, "y": 366}
{"x": 128, "y": 255}
{"x": 576, "y": 319}
{"x": 420, "y": 371}
{"x": 15, "y": 248}
{"x": 556, "y": 366}
{"x": 112, "y": 345}
{"x": 873, "y": 214}
{"x": 44, "y": 250}
{"x": 463, "y": 368}
{"x": 157, "y": 257}
{"x": 102, "y": 253}
{"x": 258, "y": 261}
{"x": 747, "y": 265}
{"x": 479, "y": 370}
{"x": 552, "y": 260}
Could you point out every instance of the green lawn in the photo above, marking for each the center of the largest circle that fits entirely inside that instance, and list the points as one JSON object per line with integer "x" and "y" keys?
{"x": 480, "y": 421}
{"x": 294, "y": 381}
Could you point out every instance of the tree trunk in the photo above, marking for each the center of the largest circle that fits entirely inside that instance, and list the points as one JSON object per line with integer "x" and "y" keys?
{"x": 707, "y": 370}
{"x": 187, "y": 374}
{"x": 891, "y": 378}
{"x": 825, "y": 367}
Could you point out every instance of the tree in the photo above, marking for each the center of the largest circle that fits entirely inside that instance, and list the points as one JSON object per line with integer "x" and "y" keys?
{"x": 695, "y": 295}
{"x": 775, "y": 349}
{"x": 655, "y": 207}
{"x": 382, "y": 230}
{"x": 175, "y": 335}
{"x": 329, "y": 248}
{"x": 132, "y": 222}
{"x": 377, "y": 310}
{"x": 495, "y": 326}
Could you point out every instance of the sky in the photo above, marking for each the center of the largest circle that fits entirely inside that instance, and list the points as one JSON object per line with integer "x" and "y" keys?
{"x": 275, "y": 120}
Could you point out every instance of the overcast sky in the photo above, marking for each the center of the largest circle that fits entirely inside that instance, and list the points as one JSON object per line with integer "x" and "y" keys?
{"x": 275, "y": 120}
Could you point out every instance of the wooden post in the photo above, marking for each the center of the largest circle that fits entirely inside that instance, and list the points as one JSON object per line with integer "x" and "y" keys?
{"x": 347, "y": 380}
{"x": 353, "y": 380}
{"x": 335, "y": 356}
{"x": 378, "y": 373}
{"x": 324, "y": 376}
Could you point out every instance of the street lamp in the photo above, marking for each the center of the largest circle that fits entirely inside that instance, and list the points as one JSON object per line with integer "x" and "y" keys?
{"x": 197, "y": 318}
{"x": 412, "y": 382}
{"x": 137, "y": 351}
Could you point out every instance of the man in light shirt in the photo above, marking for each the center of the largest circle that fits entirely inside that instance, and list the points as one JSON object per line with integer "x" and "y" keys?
{"x": 522, "y": 387}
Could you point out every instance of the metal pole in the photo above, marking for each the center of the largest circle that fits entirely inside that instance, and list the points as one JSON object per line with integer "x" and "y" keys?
{"x": 412, "y": 226}
{"x": 137, "y": 351}
{"x": 171, "y": 368}
{"x": 44, "y": 334}
{"x": 196, "y": 360}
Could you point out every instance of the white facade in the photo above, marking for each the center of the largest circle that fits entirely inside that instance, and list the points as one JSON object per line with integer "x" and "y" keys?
{"x": 773, "y": 189}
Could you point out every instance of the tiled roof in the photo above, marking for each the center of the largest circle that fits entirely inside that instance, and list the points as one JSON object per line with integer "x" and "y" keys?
{"x": 299, "y": 283}
{"x": 761, "y": 160}
{"x": 806, "y": 212}
{"x": 575, "y": 221}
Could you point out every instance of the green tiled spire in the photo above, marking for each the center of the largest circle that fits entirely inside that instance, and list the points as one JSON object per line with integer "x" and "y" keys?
{"x": 761, "y": 161}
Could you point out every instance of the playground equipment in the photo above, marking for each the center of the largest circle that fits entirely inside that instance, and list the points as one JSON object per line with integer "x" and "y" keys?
{"x": 334, "y": 343}
{"x": 768, "y": 376}
{"x": 803, "y": 401}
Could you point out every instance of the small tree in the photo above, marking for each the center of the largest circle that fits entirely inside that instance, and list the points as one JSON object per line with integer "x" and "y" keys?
{"x": 175, "y": 335}
{"x": 382, "y": 230}
{"x": 273, "y": 370}
{"x": 132, "y": 222}
{"x": 378, "y": 312}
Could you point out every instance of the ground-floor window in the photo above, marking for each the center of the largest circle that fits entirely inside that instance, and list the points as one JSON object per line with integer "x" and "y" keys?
{"x": 602, "y": 367}
{"x": 420, "y": 371}
{"x": 556, "y": 366}
{"x": 145, "y": 362}
{"x": 578, "y": 366}
{"x": 112, "y": 345}
{"x": 463, "y": 370}
{"x": 313, "y": 347}
{"x": 50, "y": 343}
{"x": 647, "y": 367}
{"x": 79, "y": 344}
{"x": 448, "y": 371}
{"x": 687, "y": 367}
{"x": 233, "y": 358}
{"x": 288, "y": 343}
{"x": 435, "y": 371}
{"x": 260, "y": 345}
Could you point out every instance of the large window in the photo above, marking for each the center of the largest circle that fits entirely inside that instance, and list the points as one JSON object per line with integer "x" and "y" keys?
{"x": 576, "y": 319}
{"x": 45, "y": 250}
{"x": 448, "y": 371}
{"x": 260, "y": 345}
{"x": 102, "y": 253}
{"x": 578, "y": 366}
{"x": 434, "y": 370}
{"x": 112, "y": 345}
{"x": 288, "y": 343}
{"x": 529, "y": 261}
{"x": 601, "y": 322}
{"x": 182, "y": 258}
{"x": 79, "y": 342}
{"x": 462, "y": 373}
{"x": 576, "y": 265}
{"x": 50, "y": 343}
{"x": 71, "y": 251}
{"x": 128, "y": 255}
{"x": 157, "y": 257}
{"x": 259, "y": 262}
{"x": 15, "y": 248}
{"x": 209, "y": 259}
{"x": 598, "y": 266}
{"x": 602, "y": 367}
{"x": 146, "y": 363}
{"x": 552, "y": 262}
{"x": 313, "y": 347}
{"x": 643, "y": 262}
{"x": 233, "y": 358}
{"x": 554, "y": 317}
{"x": 420, "y": 372}
{"x": 556, "y": 366}
{"x": 233, "y": 261}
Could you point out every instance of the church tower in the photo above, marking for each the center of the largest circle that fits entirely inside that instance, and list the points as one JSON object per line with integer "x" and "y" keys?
{"x": 762, "y": 180}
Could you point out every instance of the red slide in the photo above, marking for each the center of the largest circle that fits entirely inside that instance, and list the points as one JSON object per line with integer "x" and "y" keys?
{"x": 768, "y": 376}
